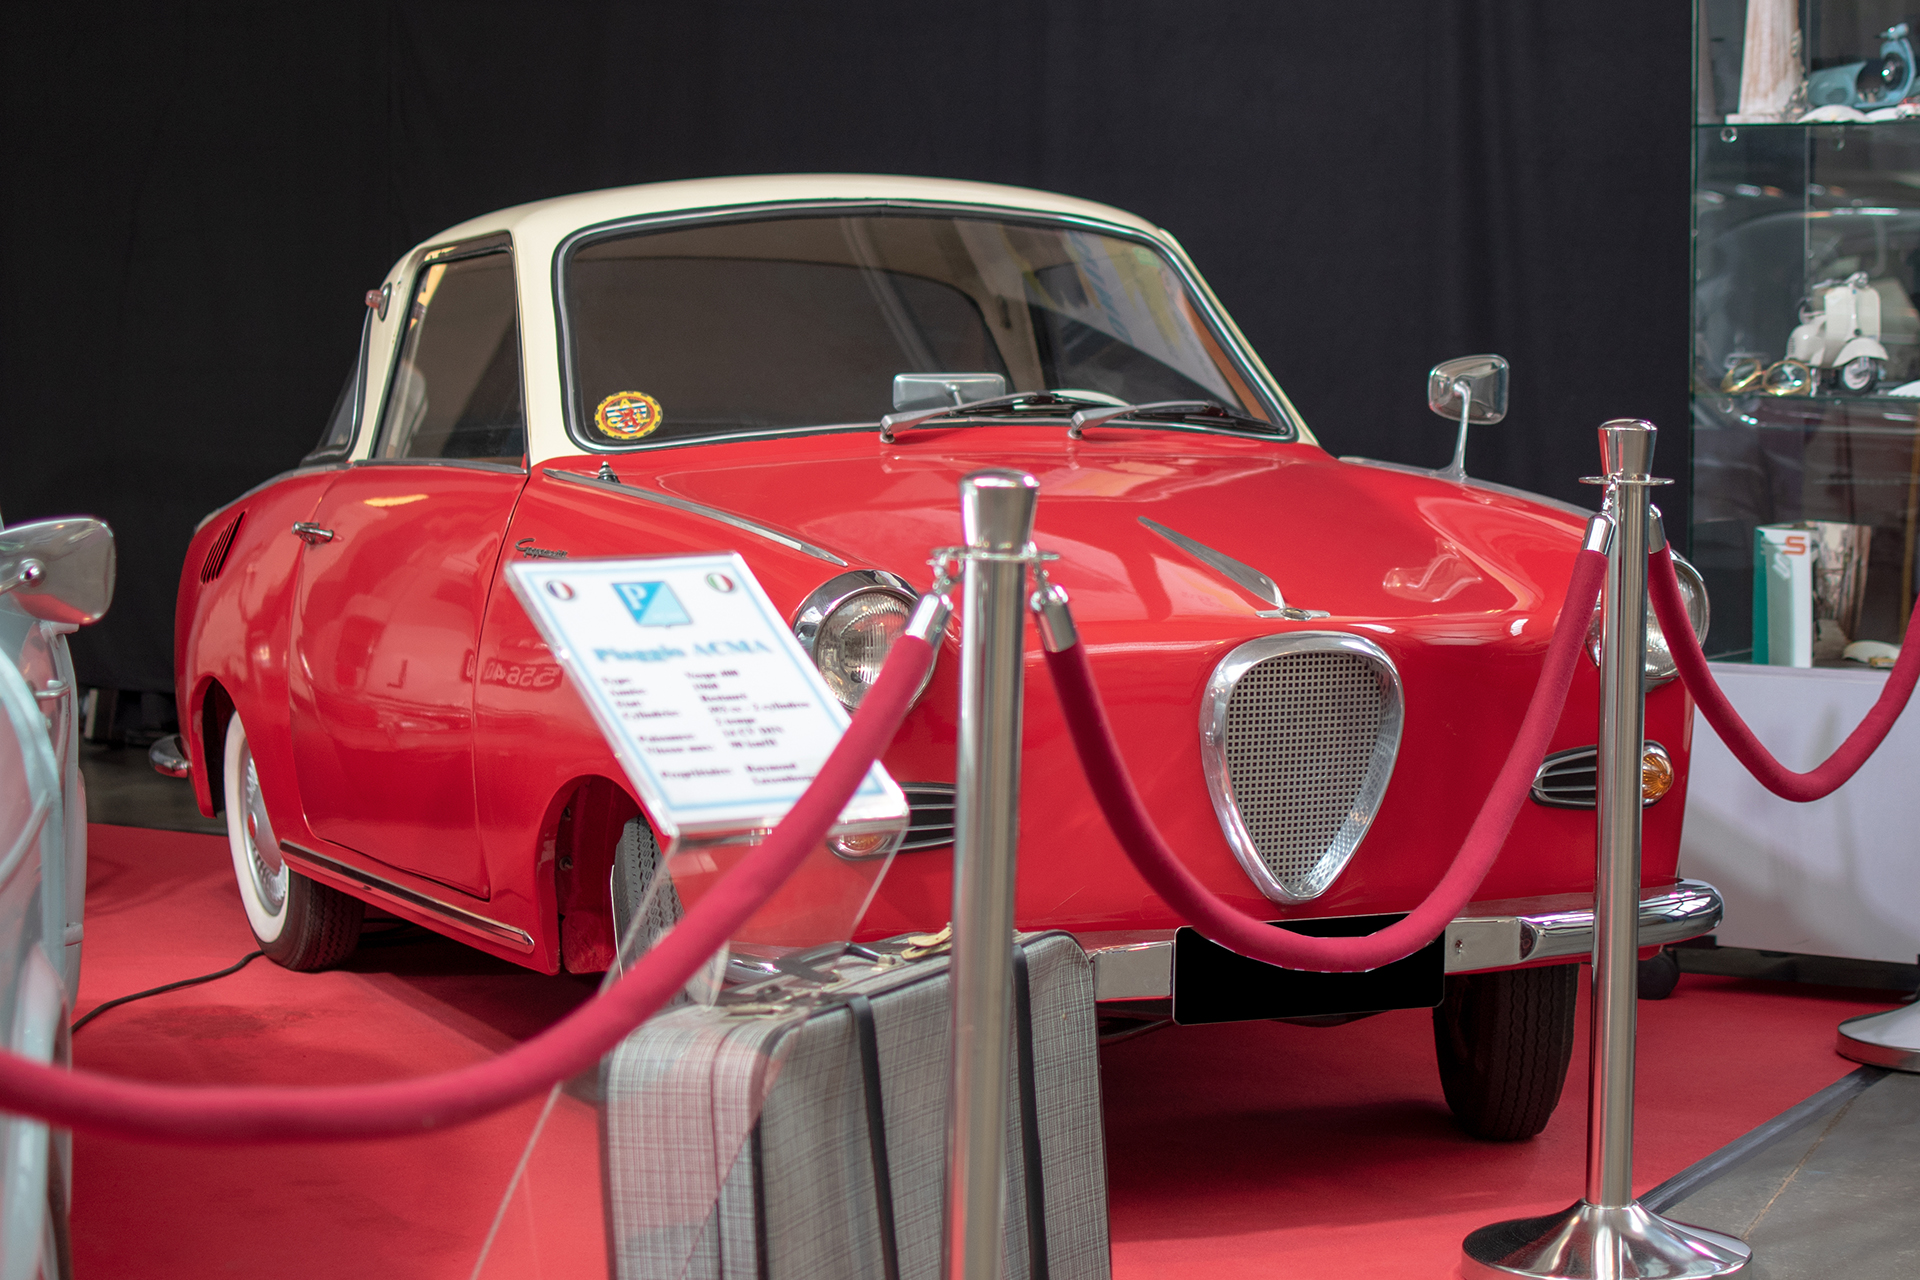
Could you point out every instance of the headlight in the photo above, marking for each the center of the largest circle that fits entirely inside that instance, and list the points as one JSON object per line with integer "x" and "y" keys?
{"x": 848, "y": 626}
{"x": 1660, "y": 664}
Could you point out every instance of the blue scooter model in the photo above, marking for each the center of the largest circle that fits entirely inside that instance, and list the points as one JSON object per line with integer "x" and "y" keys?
{"x": 1869, "y": 84}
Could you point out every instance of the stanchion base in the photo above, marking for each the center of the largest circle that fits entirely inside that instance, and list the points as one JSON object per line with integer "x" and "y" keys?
{"x": 1890, "y": 1039}
{"x": 1589, "y": 1243}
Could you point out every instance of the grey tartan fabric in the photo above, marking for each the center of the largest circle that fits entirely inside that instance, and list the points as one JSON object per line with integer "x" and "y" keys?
{"x": 679, "y": 1110}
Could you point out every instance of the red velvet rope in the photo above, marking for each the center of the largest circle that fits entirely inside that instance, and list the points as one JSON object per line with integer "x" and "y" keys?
{"x": 1846, "y": 759}
{"x": 207, "y": 1115}
{"x": 1182, "y": 890}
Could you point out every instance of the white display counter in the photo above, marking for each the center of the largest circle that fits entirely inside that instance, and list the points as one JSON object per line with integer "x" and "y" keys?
{"x": 1837, "y": 877}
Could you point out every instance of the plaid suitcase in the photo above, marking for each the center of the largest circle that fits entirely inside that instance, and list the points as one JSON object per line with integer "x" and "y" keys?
{"x": 840, "y": 1173}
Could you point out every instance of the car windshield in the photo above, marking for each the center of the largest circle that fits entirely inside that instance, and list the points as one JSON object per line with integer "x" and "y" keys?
{"x": 815, "y": 321}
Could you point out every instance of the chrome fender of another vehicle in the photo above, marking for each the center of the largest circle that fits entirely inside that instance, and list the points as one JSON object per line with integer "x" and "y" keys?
{"x": 43, "y": 774}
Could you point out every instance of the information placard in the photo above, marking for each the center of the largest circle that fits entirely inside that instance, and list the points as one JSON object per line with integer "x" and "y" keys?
{"x": 715, "y": 711}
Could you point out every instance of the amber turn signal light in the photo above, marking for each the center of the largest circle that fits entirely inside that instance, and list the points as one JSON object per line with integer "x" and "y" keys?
{"x": 868, "y": 845}
{"x": 1656, "y": 776}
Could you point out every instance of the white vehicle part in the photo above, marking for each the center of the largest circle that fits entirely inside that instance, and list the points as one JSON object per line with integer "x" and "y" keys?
{"x": 1858, "y": 347}
{"x": 69, "y": 913}
{"x": 1804, "y": 344}
{"x": 33, "y": 824}
{"x": 262, "y": 872}
{"x": 1853, "y": 310}
{"x": 26, "y": 1200}
{"x": 1846, "y": 312}
{"x": 28, "y": 811}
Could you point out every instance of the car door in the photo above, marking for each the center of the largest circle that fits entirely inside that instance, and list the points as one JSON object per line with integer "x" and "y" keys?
{"x": 394, "y": 582}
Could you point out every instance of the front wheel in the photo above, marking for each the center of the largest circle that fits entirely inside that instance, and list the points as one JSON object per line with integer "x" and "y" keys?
{"x": 1659, "y": 974}
{"x": 1504, "y": 1041}
{"x": 1860, "y": 375}
{"x": 298, "y": 923}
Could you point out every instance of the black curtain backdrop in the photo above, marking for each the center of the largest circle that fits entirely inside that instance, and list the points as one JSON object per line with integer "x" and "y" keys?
{"x": 197, "y": 196}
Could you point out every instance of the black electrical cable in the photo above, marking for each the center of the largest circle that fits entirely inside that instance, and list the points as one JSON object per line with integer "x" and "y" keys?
{"x": 402, "y": 931}
{"x": 99, "y": 1009}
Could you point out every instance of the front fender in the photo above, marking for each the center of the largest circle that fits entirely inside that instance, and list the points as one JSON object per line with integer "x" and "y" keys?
{"x": 1854, "y": 348}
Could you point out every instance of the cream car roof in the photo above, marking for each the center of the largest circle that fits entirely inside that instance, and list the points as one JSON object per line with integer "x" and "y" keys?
{"x": 538, "y": 229}
{"x": 544, "y": 223}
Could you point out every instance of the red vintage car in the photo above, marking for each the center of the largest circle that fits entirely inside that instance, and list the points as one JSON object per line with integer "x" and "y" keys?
{"x": 1315, "y": 664}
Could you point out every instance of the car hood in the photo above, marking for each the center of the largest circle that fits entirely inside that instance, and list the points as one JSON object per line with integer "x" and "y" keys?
{"x": 1359, "y": 542}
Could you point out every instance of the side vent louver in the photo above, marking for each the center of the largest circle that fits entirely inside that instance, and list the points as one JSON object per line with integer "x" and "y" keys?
{"x": 931, "y": 806}
{"x": 217, "y": 553}
{"x": 1571, "y": 779}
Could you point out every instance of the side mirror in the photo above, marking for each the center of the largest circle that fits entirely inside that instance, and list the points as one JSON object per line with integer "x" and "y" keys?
{"x": 59, "y": 570}
{"x": 1468, "y": 389}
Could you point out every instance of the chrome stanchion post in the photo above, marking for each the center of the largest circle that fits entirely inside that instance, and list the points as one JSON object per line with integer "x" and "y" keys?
{"x": 1607, "y": 1235}
{"x": 1626, "y": 450}
{"x": 996, "y": 509}
{"x": 1890, "y": 1039}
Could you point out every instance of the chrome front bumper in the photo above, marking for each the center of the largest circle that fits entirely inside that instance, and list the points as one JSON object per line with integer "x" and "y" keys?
{"x": 1491, "y": 935}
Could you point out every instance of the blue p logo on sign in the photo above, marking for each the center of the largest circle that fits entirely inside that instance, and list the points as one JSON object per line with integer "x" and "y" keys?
{"x": 652, "y": 604}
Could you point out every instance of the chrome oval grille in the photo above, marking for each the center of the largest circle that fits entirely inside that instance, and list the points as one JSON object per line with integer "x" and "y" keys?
{"x": 1299, "y": 734}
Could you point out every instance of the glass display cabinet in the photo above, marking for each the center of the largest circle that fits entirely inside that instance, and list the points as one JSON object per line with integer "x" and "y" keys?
{"x": 1806, "y": 355}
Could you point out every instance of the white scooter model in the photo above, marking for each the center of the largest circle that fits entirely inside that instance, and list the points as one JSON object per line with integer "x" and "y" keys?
{"x": 1839, "y": 334}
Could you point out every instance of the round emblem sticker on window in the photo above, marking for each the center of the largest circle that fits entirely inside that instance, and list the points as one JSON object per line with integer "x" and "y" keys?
{"x": 627, "y": 415}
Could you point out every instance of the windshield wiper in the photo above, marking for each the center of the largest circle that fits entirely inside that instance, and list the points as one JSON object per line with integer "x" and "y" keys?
{"x": 894, "y": 423}
{"x": 1199, "y": 413}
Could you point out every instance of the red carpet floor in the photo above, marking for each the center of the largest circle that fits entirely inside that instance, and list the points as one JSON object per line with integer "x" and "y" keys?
{"x": 1253, "y": 1149}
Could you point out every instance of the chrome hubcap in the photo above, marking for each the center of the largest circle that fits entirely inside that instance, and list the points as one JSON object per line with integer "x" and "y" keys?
{"x": 269, "y": 870}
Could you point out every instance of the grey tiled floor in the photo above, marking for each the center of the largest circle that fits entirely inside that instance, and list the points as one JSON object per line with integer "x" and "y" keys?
{"x": 1837, "y": 1197}
{"x": 123, "y": 789}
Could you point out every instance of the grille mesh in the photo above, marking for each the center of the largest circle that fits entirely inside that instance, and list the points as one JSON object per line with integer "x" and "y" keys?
{"x": 1300, "y": 733}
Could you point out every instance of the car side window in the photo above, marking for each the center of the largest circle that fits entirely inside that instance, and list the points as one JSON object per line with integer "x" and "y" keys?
{"x": 456, "y": 390}
{"x": 337, "y": 440}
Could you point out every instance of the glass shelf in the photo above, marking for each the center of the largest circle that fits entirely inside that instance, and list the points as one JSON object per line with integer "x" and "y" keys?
{"x": 1806, "y": 270}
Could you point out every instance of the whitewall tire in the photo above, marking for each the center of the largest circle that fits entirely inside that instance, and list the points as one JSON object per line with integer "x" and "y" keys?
{"x": 297, "y": 922}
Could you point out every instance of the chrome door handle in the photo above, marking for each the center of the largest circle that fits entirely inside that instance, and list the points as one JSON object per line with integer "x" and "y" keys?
{"x": 54, "y": 689}
{"x": 312, "y": 534}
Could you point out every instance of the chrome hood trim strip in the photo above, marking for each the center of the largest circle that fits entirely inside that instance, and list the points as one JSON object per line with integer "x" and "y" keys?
{"x": 591, "y": 481}
{"x": 1244, "y": 576}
